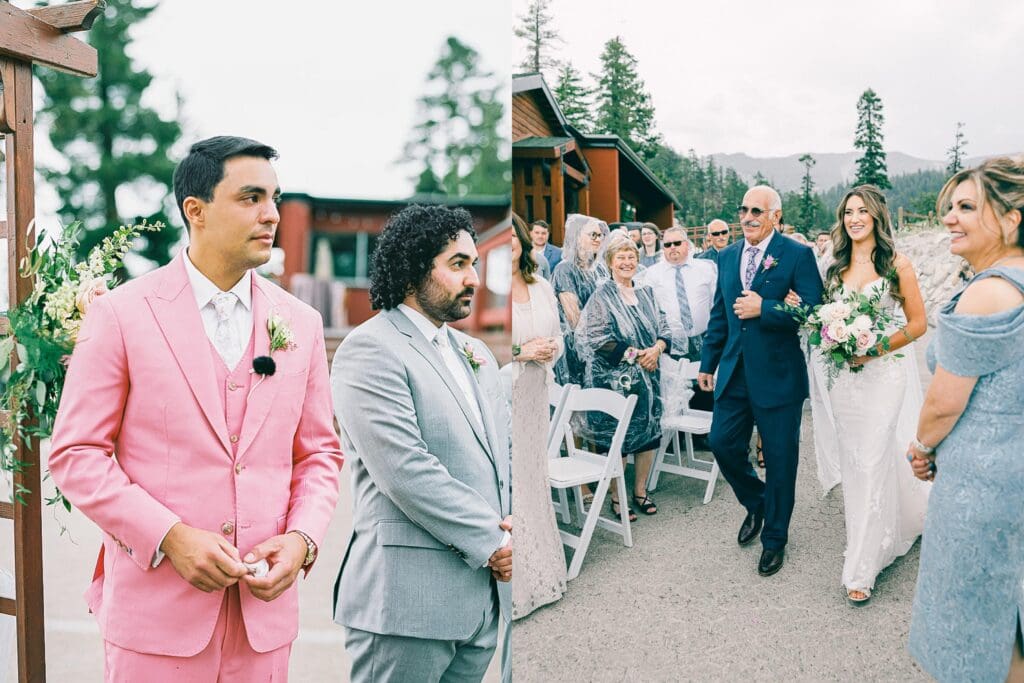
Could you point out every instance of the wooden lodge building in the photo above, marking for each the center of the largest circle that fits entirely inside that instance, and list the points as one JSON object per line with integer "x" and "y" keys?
{"x": 557, "y": 170}
{"x": 327, "y": 244}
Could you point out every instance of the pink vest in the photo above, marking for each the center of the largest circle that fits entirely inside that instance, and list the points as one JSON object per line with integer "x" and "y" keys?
{"x": 234, "y": 389}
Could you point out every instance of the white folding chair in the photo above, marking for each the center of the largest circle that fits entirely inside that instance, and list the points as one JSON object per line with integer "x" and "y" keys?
{"x": 558, "y": 395}
{"x": 582, "y": 467}
{"x": 689, "y": 423}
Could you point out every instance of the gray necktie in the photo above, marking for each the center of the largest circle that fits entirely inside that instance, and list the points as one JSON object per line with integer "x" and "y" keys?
{"x": 685, "y": 316}
{"x": 225, "y": 337}
{"x": 458, "y": 371}
{"x": 748, "y": 274}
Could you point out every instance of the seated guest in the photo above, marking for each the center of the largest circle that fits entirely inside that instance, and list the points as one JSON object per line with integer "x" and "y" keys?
{"x": 650, "y": 251}
{"x": 684, "y": 287}
{"x": 621, "y": 335}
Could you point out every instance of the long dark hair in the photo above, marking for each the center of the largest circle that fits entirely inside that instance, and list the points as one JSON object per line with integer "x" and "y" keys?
{"x": 883, "y": 256}
{"x": 527, "y": 266}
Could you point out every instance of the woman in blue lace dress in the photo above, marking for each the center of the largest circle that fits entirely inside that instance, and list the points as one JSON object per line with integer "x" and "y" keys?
{"x": 970, "y": 589}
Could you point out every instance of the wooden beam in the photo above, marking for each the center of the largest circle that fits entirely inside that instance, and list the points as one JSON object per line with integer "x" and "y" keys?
{"x": 5, "y": 328}
{"x": 8, "y": 606}
{"x": 6, "y": 511}
{"x": 71, "y": 16}
{"x": 538, "y": 192}
{"x": 28, "y": 522}
{"x": 536, "y": 153}
{"x": 557, "y": 217}
{"x": 576, "y": 175}
{"x": 29, "y": 39}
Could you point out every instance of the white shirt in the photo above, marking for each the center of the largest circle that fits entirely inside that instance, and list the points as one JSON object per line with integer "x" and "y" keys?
{"x": 700, "y": 277}
{"x": 455, "y": 365}
{"x": 761, "y": 247}
{"x": 204, "y": 291}
{"x": 241, "y": 317}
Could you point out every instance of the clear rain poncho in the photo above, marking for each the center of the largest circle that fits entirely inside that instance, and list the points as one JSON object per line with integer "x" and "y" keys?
{"x": 608, "y": 327}
{"x": 577, "y": 274}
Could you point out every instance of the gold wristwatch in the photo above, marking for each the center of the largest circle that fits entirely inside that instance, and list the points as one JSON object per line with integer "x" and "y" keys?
{"x": 310, "y": 547}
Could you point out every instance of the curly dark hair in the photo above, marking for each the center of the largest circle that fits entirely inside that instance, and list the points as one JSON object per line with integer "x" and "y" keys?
{"x": 406, "y": 249}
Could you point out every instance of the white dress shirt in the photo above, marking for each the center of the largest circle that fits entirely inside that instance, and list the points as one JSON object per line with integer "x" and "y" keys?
{"x": 761, "y": 247}
{"x": 241, "y": 317}
{"x": 700, "y": 277}
{"x": 455, "y": 366}
{"x": 204, "y": 291}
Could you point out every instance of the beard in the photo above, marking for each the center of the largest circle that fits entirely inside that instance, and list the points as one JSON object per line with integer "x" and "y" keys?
{"x": 438, "y": 304}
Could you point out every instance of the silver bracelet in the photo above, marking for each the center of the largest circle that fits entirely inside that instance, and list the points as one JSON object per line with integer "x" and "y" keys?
{"x": 921, "y": 447}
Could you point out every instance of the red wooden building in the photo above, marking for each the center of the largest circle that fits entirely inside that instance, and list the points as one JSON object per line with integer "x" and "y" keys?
{"x": 557, "y": 170}
{"x": 347, "y": 229}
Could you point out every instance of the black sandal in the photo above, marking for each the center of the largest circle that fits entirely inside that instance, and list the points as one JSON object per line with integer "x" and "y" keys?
{"x": 616, "y": 510}
{"x": 645, "y": 504}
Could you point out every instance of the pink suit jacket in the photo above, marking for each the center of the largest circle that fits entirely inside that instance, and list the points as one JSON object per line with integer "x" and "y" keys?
{"x": 141, "y": 385}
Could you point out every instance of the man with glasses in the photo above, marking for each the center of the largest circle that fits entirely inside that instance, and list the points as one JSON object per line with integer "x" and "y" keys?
{"x": 717, "y": 240}
{"x": 762, "y": 375}
{"x": 685, "y": 289}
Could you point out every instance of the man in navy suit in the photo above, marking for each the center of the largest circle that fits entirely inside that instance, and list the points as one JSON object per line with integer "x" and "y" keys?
{"x": 762, "y": 374}
{"x": 539, "y": 233}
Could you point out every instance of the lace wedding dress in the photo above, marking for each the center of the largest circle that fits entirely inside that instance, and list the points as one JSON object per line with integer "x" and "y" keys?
{"x": 862, "y": 427}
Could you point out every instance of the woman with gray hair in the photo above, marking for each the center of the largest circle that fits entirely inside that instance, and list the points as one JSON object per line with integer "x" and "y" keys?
{"x": 574, "y": 280}
{"x": 621, "y": 335}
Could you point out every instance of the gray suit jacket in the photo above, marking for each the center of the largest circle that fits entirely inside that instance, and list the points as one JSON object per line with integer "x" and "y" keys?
{"x": 429, "y": 486}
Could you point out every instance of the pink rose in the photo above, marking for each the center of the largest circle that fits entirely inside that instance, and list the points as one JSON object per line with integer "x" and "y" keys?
{"x": 865, "y": 340}
{"x": 88, "y": 290}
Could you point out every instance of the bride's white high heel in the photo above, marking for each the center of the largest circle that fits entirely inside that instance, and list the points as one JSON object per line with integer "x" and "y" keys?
{"x": 858, "y": 601}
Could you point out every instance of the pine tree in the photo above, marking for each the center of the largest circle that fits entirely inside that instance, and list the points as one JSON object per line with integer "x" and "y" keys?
{"x": 623, "y": 105}
{"x": 573, "y": 97}
{"x": 459, "y": 145}
{"x": 871, "y": 167}
{"x": 535, "y": 28}
{"x": 808, "y": 206}
{"x": 110, "y": 140}
{"x": 955, "y": 154}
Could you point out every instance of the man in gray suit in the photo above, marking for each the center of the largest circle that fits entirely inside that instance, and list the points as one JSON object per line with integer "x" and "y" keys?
{"x": 425, "y": 425}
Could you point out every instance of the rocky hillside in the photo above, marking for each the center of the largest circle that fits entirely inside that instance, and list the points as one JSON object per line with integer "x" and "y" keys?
{"x": 938, "y": 271}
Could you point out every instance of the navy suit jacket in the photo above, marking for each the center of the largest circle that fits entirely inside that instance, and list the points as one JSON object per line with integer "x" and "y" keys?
{"x": 774, "y": 366}
{"x": 553, "y": 254}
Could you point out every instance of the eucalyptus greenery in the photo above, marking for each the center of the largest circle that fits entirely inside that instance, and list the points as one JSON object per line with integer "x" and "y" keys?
{"x": 44, "y": 329}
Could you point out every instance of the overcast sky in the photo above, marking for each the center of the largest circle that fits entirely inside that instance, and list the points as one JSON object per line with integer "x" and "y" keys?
{"x": 331, "y": 85}
{"x": 779, "y": 78}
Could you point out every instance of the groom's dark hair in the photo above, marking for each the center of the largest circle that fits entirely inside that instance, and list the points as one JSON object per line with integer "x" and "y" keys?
{"x": 406, "y": 249}
{"x": 200, "y": 171}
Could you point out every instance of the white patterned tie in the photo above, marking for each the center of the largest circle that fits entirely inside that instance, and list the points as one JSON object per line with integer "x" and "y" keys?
{"x": 225, "y": 338}
{"x": 458, "y": 371}
{"x": 748, "y": 274}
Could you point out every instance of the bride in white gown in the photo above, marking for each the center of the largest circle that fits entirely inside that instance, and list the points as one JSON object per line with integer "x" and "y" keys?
{"x": 864, "y": 421}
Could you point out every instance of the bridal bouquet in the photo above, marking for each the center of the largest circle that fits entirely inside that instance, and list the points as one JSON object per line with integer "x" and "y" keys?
{"x": 845, "y": 326}
{"x": 44, "y": 328}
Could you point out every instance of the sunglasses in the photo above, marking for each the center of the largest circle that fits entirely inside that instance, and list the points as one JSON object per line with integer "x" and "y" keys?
{"x": 723, "y": 232}
{"x": 752, "y": 210}
{"x": 669, "y": 245}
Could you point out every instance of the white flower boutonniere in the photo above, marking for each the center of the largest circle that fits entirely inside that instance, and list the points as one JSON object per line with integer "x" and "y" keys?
{"x": 281, "y": 336}
{"x": 475, "y": 361}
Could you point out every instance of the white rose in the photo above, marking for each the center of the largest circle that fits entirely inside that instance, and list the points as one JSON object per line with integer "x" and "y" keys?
{"x": 839, "y": 331}
{"x": 861, "y": 323}
{"x": 841, "y": 311}
{"x": 865, "y": 340}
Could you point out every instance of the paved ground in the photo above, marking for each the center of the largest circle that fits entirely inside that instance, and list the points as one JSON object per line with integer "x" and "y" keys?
{"x": 74, "y": 650}
{"x": 685, "y": 603}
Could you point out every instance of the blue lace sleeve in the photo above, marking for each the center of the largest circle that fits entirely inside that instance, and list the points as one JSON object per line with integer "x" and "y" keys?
{"x": 976, "y": 345}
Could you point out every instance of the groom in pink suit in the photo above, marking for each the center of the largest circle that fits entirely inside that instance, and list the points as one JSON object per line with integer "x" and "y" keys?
{"x": 195, "y": 430}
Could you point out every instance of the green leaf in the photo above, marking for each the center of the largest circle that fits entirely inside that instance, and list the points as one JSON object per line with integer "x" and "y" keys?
{"x": 40, "y": 393}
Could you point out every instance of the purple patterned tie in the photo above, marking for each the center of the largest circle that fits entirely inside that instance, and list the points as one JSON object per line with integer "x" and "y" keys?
{"x": 748, "y": 274}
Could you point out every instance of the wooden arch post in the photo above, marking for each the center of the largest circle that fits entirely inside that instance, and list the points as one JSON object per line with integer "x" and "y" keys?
{"x": 27, "y": 37}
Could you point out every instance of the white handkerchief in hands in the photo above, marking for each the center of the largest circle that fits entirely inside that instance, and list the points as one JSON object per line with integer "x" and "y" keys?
{"x": 258, "y": 569}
